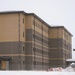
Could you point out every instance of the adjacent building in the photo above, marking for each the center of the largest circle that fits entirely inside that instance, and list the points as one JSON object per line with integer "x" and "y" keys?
{"x": 60, "y": 46}
{"x": 29, "y": 43}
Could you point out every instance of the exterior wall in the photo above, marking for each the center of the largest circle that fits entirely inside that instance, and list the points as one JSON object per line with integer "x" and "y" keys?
{"x": 28, "y": 29}
{"x": 9, "y": 24}
{"x": 8, "y": 27}
{"x": 31, "y": 43}
{"x": 41, "y": 43}
{"x": 37, "y": 37}
{"x": 16, "y": 53}
{"x": 12, "y": 39}
{"x": 22, "y": 27}
{"x": 59, "y": 46}
{"x": 56, "y": 32}
{"x": 67, "y": 46}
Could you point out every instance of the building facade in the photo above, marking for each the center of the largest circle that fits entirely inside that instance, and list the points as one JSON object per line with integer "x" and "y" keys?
{"x": 60, "y": 46}
{"x": 31, "y": 43}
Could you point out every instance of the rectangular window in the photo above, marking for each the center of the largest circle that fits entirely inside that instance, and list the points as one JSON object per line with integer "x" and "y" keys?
{"x": 23, "y": 20}
{"x": 33, "y": 22}
{"x": 23, "y": 62}
{"x": 34, "y": 62}
{"x": 23, "y": 34}
{"x": 34, "y": 49}
{"x": 33, "y": 36}
{"x": 23, "y": 48}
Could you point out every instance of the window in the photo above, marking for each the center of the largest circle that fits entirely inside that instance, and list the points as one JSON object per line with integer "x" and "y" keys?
{"x": 23, "y": 48}
{"x": 33, "y": 22}
{"x": 33, "y": 49}
{"x": 34, "y": 62}
{"x": 23, "y": 62}
{"x": 33, "y": 36}
{"x": 23, "y": 34}
{"x": 23, "y": 20}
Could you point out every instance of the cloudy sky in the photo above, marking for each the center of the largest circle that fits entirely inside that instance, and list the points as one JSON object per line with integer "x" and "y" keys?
{"x": 54, "y": 12}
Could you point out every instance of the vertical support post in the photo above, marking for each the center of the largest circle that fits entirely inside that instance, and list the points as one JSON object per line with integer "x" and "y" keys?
{"x": 19, "y": 41}
{"x": 34, "y": 45}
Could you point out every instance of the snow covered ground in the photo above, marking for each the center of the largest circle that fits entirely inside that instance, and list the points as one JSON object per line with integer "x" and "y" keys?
{"x": 35, "y": 73}
{"x": 68, "y": 71}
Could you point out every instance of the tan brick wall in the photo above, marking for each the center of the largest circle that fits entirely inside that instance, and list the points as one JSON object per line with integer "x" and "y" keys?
{"x": 45, "y": 30}
{"x": 9, "y": 27}
{"x": 39, "y": 25}
{"x": 55, "y": 33}
{"x": 67, "y": 37}
{"x": 22, "y": 28}
{"x": 28, "y": 21}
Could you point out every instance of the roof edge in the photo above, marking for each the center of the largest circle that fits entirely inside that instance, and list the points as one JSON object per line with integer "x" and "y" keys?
{"x": 38, "y": 18}
{"x": 7, "y": 12}
{"x": 61, "y": 27}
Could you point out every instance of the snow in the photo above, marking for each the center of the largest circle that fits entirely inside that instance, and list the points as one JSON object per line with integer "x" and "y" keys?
{"x": 70, "y": 60}
{"x": 35, "y": 73}
{"x": 68, "y": 71}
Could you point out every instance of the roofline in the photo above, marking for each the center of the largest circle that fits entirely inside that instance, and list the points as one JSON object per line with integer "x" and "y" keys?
{"x": 11, "y": 12}
{"x": 38, "y": 18}
{"x": 61, "y": 27}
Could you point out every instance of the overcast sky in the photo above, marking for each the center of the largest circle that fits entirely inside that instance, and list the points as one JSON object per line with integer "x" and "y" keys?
{"x": 54, "y": 12}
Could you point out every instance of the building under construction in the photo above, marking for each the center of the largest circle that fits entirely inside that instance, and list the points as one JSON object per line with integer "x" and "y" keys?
{"x": 29, "y": 43}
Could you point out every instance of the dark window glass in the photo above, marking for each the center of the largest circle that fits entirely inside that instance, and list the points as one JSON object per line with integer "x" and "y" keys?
{"x": 34, "y": 62}
{"x": 23, "y": 62}
{"x": 23, "y": 20}
{"x": 23, "y": 34}
{"x": 23, "y": 48}
{"x": 33, "y": 49}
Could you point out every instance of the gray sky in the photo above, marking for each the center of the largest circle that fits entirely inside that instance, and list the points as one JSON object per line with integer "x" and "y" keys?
{"x": 54, "y": 12}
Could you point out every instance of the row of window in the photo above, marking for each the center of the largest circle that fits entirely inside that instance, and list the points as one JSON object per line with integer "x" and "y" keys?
{"x": 67, "y": 46}
{"x": 67, "y": 55}
{"x": 23, "y": 23}
{"x": 40, "y": 39}
{"x": 40, "y": 51}
{"x": 40, "y": 26}
{"x": 40, "y": 63}
{"x": 37, "y": 63}
{"x": 67, "y": 37}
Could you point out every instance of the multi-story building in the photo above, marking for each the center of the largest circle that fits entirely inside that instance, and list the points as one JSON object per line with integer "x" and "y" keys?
{"x": 29, "y": 43}
{"x": 60, "y": 46}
